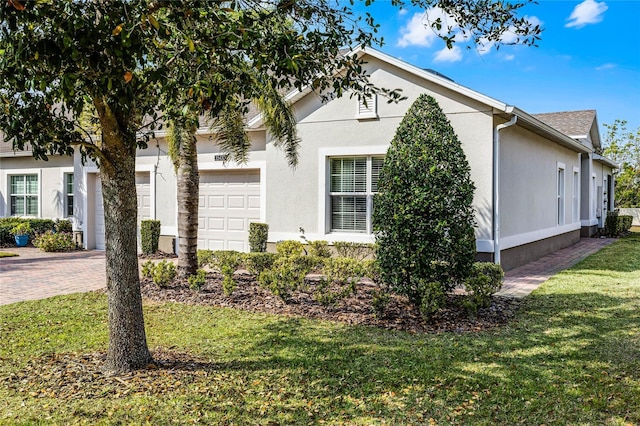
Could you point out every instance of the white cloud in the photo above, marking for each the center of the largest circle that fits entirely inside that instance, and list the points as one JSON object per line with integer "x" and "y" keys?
{"x": 419, "y": 32}
{"x": 606, "y": 66}
{"x": 587, "y": 12}
{"x": 509, "y": 58}
{"x": 403, "y": 12}
{"x": 415, "y": 33}
{"x": 448, "y": 55}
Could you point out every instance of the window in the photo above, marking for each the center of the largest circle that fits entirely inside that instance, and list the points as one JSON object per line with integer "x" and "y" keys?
{"x": 576, "y": 195}
{"x": 594, "y": 194}
{"x": 24, "y": 195}
{"x": 367, "y": 107}
{"x": 560, "y": 195}
{"x": 68, "y": 185}
{"x": 353, "y": 181}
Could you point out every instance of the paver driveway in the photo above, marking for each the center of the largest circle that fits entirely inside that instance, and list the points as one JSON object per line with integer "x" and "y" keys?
{"x": 38, "y": 275}
{"x": 35, "y": 274}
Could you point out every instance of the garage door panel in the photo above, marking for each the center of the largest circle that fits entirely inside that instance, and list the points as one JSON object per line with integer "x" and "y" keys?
{"x": 233, "y": 200}
{"x": 253, "y": 201}
{"x": 236, "y": 201}
{"x": 236, "y": 224}
{"x": 202, "y": 202}
{"x": 216, "y": 224}
{"x": 216, "y": 202}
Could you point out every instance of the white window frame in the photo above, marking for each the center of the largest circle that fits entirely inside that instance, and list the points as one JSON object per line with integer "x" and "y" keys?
{"x": 68, "y": 194}
{"x": 38, "y": 195}
{"x": 576, "y": 195}
{"x": 367, "y": 194}
{"x": 324, "y": 198}
{"x": 560, "y": 194}
{"x": 594, "y": 195}
{"x": 368, "y": 111}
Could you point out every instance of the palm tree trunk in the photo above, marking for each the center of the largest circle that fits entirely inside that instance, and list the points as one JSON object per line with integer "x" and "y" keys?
{"x": 188, "y": 197}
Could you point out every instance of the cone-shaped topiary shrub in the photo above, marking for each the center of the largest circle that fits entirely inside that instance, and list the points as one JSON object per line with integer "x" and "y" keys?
{"x": 423, "y": 215}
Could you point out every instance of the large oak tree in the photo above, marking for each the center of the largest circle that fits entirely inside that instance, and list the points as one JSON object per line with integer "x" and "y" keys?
{"x": 60, "y": 58}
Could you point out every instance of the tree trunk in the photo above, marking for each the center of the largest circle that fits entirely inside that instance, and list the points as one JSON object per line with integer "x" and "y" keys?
{"x": 127, "y": 339}
{"x": 188, "y": 198}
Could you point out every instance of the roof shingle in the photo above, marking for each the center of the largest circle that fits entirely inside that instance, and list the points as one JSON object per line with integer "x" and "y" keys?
{"x": 571, "y": 123}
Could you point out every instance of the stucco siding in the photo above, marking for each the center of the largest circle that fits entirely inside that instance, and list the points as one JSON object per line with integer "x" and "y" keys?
{"x": 529, "y": 183}
{"x": 295, "y": 197}
{"x": 51, "y": 187}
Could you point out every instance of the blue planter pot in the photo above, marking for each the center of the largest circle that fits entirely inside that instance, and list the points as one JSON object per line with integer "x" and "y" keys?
{"x": 21, "y": 240}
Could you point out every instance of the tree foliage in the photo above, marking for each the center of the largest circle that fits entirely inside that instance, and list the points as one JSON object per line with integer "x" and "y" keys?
{"x": 623, "y": 147}
{"x": 62, "y": 61}
{"x": 423, "y": 215}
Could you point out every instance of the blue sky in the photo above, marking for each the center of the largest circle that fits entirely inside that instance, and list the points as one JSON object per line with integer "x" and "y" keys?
{"x": 588, "y": 57}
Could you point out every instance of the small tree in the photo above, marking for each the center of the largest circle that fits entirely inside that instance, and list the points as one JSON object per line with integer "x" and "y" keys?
{"x": 423, "y": 217}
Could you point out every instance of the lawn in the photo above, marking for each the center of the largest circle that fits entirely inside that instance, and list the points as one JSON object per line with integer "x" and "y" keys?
{"x": 571, "y": 356}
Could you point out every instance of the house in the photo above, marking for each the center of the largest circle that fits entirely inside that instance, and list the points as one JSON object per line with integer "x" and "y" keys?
{"x": 540, "y": 184}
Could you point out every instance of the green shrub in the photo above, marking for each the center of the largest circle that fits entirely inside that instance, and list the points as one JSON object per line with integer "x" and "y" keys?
{"x": 63, "y": 225}
{"x": 358, "y": 251}
{"x": 6, "y": 225}
{"x": 149, "y": 236}
{"x": 163, "y": 273}
{"x": 40, "y": 226}
{"x": 423, "y": 217}
{"x": 205, "y": 257}
{"x": 432, "y": 299}
{"x": 54, "y": 241}
{"x": 289, "y": 248}
{"x": 379, "y": 302}
{"x": 371, "y": 270}
{"x": 624, "y": 223}
{"x": 611, "y": 224}
{"x": 258, "y": 262}
{"x": 287, "y": 275}
{"x": 341, "y": 274}
{"x": 258, "y": 235}
{"x": 227, "y": 262}
{"x": 486, "y": 279}
{"x": 198, "y": 280}
{"x": 319, "y": 248}
{"x": 148, "y": 268}
{"x": 22, "y": 228}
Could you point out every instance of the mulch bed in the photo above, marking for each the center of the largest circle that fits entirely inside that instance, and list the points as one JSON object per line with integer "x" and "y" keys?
{"x": 355, "y": 310}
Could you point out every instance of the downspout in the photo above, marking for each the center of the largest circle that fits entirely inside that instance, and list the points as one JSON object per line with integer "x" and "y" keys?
{"x": 496, "y": 187}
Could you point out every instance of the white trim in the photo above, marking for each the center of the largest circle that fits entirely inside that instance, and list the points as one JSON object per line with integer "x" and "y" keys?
{"x": 169, "y": 230}
{"x": 484, "y": 246}
{"x": 64, "y": 171}
{"x": 589, "y": 222}
{"x": 323, "y": 183}
{"x": 19, "y": 172}
{"x": 575, "y": 198}
{"x": 541, "y": 234}
{"x": 561, "y": 194}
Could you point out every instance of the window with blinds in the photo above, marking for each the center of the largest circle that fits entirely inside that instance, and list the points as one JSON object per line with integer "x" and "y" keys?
{"x": 353, "y": 182}
{"x": 24, "y": 195}
{"x": 69, "y": 193}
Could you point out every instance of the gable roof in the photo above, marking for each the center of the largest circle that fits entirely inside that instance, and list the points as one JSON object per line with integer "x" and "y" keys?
{"x": 525, "y": 119}
{"x": 576, "y": 124}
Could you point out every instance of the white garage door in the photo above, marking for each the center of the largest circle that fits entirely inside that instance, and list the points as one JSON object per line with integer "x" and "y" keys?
{"x": 99, "y": 216}
{"x": 229, "y": 201}
{"x": 143, "y": 190}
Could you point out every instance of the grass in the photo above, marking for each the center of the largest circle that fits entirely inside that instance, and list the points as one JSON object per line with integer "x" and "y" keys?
{"x": 7, "y": 254}
{"x": 572, "y": 356}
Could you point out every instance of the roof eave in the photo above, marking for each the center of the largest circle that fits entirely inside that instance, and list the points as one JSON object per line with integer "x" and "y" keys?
{"x": 547, "y": 131}
{"x": 606, "y": 161}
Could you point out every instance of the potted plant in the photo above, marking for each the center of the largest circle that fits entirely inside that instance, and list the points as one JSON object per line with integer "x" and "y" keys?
{"x": 21, "y": 233}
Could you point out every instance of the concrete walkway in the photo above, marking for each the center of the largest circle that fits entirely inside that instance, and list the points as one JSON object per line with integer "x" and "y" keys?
{"x": 38, "y": 275}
